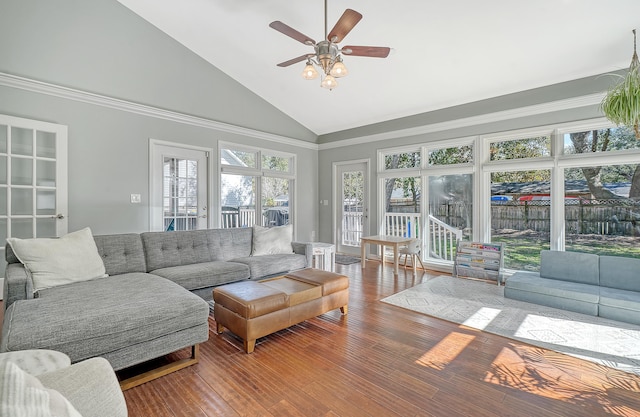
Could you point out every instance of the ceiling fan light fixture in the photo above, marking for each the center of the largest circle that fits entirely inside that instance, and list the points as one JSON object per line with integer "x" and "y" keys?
{"x": 329, "y": 82}
{"x": 339, "y": 69}
{"x": 310, "y": 72}
{"x": 327, "y": 54}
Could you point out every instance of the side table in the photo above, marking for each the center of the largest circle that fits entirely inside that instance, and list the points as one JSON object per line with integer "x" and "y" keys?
{"x": 324, "y": 255}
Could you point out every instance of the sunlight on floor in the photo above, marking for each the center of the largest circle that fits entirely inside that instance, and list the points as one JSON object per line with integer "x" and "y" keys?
{"x": 445, "y": 351}
{"x": 481, "y": 318}
{"x": 540, "y": 372}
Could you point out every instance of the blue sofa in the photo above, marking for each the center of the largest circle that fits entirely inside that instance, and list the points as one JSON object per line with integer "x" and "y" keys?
{"x": 605, "y": 286}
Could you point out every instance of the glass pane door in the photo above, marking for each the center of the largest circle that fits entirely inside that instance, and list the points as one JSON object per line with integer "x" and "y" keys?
{"x": 352, "y": 211}
{"x": 33, "y": 195}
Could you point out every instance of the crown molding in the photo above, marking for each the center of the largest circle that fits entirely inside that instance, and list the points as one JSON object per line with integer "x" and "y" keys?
{"x": 552, "y": 106}
{"x": 22, "y": 83}
{"x": 14, "y": 81}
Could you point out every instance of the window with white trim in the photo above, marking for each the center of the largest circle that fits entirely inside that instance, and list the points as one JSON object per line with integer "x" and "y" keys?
{"x": 256, "y": 187}
{"x": 572, "y": 186}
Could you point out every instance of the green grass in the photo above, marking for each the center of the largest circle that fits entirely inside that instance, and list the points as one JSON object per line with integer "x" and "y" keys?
{"x": 524, "y": 253}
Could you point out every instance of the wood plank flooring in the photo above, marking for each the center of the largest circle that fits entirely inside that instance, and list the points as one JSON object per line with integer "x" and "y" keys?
{"x": 382, "y": 360}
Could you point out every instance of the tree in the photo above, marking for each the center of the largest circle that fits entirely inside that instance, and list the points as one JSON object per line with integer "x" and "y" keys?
{"x": 409, "y": 185}
{"x": 602, "y": 141}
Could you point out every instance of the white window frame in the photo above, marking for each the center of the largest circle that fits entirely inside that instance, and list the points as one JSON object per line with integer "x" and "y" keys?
{"x": 482, "y": 167}
{"x": 259, "y": 173}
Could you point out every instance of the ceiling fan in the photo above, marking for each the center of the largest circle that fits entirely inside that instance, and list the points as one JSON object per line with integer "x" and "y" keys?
{"x": 328, "y": 55}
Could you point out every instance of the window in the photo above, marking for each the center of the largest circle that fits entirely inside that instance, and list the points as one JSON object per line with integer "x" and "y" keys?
{"x": 600, "y": 140}
{"x": 602, "y": 210}
{"x": 256, "y": 187}
{"x": 400, "y": 160}
{"x": 534, "y": 147}
{"x": 454, "y": 155}
{"x": 573, "y": 187}
{"x": 521, "y": 216}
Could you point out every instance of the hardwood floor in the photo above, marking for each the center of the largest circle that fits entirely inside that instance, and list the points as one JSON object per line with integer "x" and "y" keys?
{"x": 382, "y": 360}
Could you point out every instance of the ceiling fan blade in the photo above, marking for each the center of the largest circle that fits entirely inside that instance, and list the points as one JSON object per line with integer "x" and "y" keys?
{"x": 371, "y": 51}
{"x": 344, "y": 25}
{"x": 291, "y": 32}
{"x": 294, "y": 60}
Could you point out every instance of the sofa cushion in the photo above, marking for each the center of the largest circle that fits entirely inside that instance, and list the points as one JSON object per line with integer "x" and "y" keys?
{"x": 91, "y": 318}
{"x": 629, "y": 300}
{"x": 166, "y": 249}
{"x": 205, "y": 274}
{"x": 620, "y": 272}
{"x": 52, "y": 262}
{"x": 266, "y": 265}
{"x": 570, "y": 266}
{"x": 532, "y": 282}
{"x": 121, "y": 253}
{"x": 272, "y": 240}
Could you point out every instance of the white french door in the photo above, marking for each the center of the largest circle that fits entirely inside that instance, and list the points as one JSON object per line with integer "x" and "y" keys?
{"x": 352, "y": 205}
{"x": 179, "y": 184}
{"x": 33, "y": 180}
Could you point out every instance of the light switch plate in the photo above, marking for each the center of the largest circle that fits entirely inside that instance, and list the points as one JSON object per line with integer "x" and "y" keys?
{"x": 136, "y": 198}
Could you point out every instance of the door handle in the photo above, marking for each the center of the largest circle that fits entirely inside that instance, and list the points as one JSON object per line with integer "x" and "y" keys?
{"x": 58, "y": 216}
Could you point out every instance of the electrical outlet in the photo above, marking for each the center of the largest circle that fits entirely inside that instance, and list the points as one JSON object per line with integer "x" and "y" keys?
{"x": 136, "y": 198}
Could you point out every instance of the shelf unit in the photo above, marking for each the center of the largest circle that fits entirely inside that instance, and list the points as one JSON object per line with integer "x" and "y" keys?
{"x": 479, "y": 260}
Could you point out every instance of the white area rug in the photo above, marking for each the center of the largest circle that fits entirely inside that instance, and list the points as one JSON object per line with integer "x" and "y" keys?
{"x": 482, "y": 306}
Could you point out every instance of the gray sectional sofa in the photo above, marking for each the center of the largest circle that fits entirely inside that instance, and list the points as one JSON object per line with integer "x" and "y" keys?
{"x": 606, "y": 286}
{"x": 151, "y": 303}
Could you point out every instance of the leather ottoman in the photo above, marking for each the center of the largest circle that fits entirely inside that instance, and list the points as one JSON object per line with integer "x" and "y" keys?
{"x": 253, "y": 309}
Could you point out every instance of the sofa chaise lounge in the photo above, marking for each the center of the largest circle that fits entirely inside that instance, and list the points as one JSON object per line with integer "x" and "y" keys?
{"x": 150, "y": 304}
{"x": 606, "y": 286}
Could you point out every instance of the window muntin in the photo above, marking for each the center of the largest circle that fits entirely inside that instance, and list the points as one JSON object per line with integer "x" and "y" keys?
{"x": 534, "y": 147}
{"x": 180, "y": 194}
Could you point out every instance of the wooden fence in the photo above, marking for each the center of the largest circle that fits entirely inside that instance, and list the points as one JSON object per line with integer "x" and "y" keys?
{"x": 603, "y": 217}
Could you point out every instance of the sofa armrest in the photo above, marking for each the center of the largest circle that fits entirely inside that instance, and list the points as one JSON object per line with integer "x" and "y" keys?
{"x": 18, "y": 284}
{"x": 90, "y": 386}
{"x": 304, "y": 248}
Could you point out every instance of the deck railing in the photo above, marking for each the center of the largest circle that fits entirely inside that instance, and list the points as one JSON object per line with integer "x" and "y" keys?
{"x": 351, "y": 228}
{"x": 242, "y": 217}
{"x": 442, "y": 237}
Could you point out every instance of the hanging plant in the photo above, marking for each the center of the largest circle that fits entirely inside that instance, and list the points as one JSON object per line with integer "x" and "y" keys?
{"x": 621, "y": 105}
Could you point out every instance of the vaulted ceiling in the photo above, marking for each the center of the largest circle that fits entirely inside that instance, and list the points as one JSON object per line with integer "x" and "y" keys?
{"x": 443, "y": 53}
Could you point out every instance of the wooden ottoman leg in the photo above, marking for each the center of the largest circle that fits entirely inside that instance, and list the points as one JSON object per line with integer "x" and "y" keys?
{"x": 249, "y": 345}
{"x": 219, "y": 328}
{"x": 344, "y": 309}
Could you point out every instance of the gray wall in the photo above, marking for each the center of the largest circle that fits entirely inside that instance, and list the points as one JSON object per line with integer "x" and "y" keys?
{"x": 102, "y": 47}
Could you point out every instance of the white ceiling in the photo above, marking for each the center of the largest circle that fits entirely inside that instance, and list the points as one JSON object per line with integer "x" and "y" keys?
{"x": 444, "y": 53}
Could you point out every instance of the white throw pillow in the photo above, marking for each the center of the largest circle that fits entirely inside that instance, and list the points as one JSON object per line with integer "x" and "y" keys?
{"x": 272, "y": 240}
{"x": 52, "y": 262}
{"x": 22, "y": 395}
